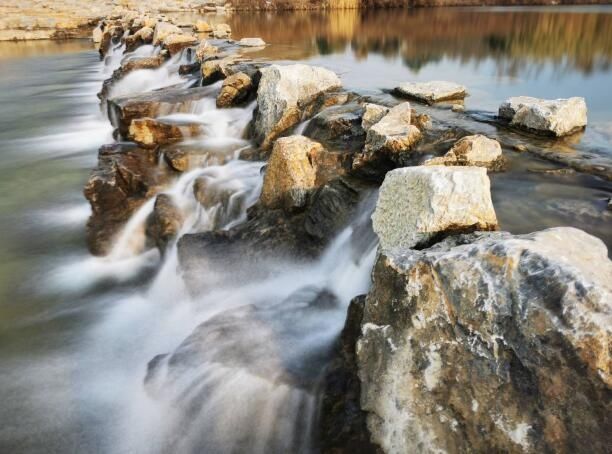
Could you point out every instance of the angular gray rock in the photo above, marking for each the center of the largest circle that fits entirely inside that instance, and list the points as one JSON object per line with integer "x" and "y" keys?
{"x": 476, "y": 150}
{"x": 490, "y": 342}
{"x": 418, "y": 204}
{"x": 285, "y": 93}
{"x": 556, "y": 117}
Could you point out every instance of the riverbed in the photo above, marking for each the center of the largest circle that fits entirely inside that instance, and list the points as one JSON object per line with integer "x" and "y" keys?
{"x": 76, "y": 334}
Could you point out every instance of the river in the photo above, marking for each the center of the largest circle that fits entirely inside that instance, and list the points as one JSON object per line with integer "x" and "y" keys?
{"x": 77, "y": 332}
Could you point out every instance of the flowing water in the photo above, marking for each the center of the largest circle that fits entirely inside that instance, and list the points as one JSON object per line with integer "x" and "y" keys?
{"x": 77, "y": 332}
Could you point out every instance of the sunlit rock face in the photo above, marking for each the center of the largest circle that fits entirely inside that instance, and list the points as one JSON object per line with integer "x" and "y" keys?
{"x": 556, "y": 117}
{"x": 490, "y": 342}
{"x": 476, "y": 150}
{"x": 285, "y": 93}
{"x": 418, "y": 204}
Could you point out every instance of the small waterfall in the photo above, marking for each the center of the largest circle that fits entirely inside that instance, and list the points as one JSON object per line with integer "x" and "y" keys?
{"x": 246, "y": 355}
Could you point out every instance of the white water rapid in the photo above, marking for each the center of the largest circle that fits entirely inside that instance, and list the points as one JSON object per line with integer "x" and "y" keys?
{"x": 249, "y": 353}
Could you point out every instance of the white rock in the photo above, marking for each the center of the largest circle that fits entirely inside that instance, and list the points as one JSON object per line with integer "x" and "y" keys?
{"x": 97, "y": 34}
{"x": 558, "y": 117}
{"x": 283, "y": 94}
{"x": 476, "y": 150}
{"x": 431, "y": 92}
{"x": 373, "y": 114}
{"x": 252, "y": 42}
{"x": 416, "y": 203}
{"x": 222, "y": 31}
{"x": 393, "y": 132}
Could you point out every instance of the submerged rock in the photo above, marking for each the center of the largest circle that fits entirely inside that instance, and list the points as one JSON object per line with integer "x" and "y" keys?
{"x": 417, "y": 205}
{"x": 490, "y": 342}
{"x": 476, "y": 150}
{"x": 432, "y": 92}
{"x": 284, "y": 96}
{"x": 235, "y": 90}
{"x": 251, "y": 42}
{"x": 150, "y": 133}
{"x": 123, "y": 110}
{"x": 126, "y": 176}
{"x": 558, "y": 117}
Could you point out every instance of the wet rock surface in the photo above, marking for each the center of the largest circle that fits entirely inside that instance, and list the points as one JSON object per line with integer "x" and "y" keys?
{"x": 489, "y": 342}
{"x": 153, "y": 104}
{"x": 165, "y": 221}
{"x": 236, "y": 89}
{"x": 126, "y": 176}
{"x": 150, "y": 133}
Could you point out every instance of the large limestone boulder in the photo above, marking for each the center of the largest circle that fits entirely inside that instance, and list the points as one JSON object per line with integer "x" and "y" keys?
{"x": 235, "y": 90}
{"x": 417, "y": 205}
{"x": 490, "y": 342}
{"x": 557, "y": 117}
{"x": 284, "y": 95}
{"x": 432, "y": 92}
{"x": 476, "y": 150}
{"x": 290, "y": 174}
{"x": 163, "y": 29}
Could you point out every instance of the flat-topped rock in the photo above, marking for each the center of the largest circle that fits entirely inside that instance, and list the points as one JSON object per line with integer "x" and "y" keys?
{"x": 556, "y": 117}
{"x": 283, "y": 96}
{"x": 251, "y": 42}
{"x": 418, "y": 204}
{"x": 205, "y": 50}
{"x": 176, "y": 42}
{"x": 222, "y": 31}
{"x": 150, "y": 133}
{"x": 432, "y": 92}
{"x": 476, "y": 150}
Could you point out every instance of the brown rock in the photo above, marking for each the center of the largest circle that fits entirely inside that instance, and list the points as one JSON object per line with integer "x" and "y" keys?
{"x": 235, "y": 90}
{"x": 150, "y": 133}
{"x": 175, "y": 43}
{"x": 165, "y": 221}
